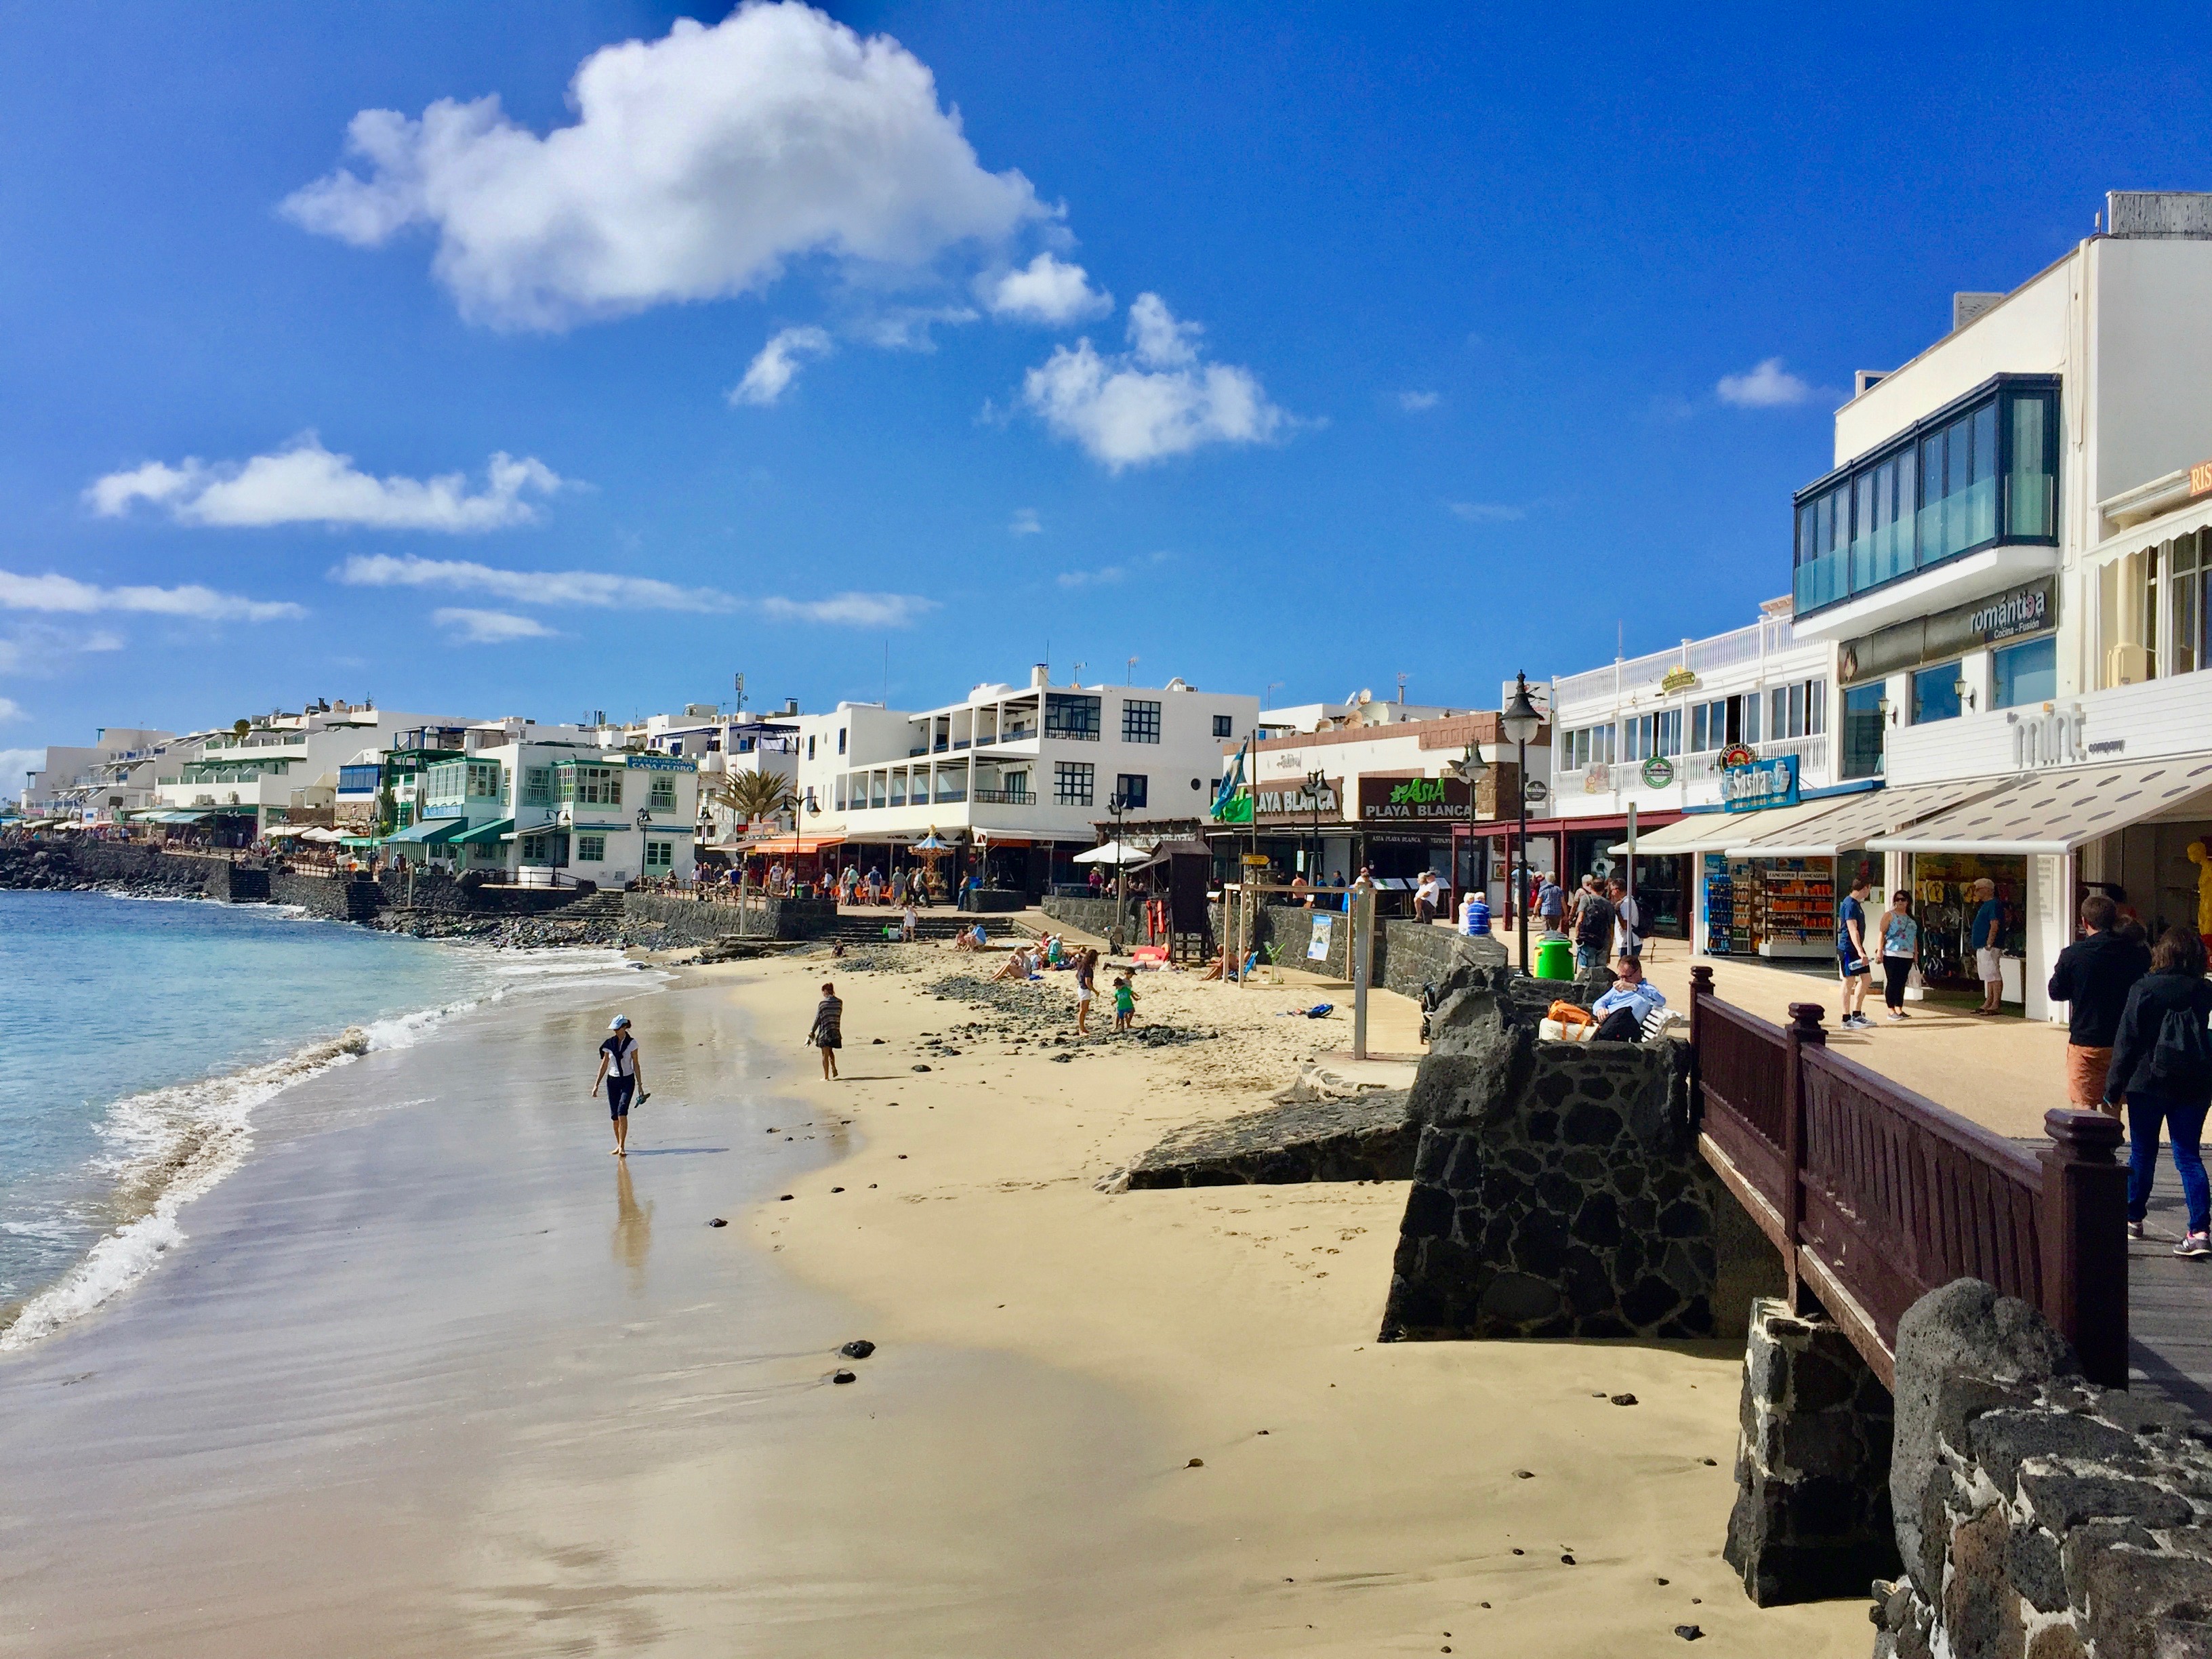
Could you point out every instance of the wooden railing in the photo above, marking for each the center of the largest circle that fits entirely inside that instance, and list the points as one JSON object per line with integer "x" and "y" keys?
{"x": 1876, "y": 1195}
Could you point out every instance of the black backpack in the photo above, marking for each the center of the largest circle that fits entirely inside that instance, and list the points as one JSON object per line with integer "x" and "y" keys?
{"x": 2182, "y": 1057}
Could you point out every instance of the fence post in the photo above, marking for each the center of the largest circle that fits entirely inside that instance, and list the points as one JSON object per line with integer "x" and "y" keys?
{"x": 2085, "y": 1245}
{"x": 1701, "y": 986}
{"x": 1803, "y": 1031}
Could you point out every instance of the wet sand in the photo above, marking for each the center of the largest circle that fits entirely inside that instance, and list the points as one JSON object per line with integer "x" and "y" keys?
{"x": 433, "y": 1374}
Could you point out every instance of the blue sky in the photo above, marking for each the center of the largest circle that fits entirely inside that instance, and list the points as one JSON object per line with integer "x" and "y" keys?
{"x": 1288, "y": 350}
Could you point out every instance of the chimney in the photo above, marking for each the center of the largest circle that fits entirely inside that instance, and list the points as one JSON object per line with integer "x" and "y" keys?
{"x": 1039, "y": 675}
{"x": 1964, "y": 308}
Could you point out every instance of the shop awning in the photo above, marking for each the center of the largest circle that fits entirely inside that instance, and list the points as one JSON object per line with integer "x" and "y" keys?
{"x": 1854, "y": 820}
{"x": 1700, "y": 832}
{"x": 805, "y": 844}
{"x": 362, "y": 841}
{"x": 2056, "y": 811}
{"x": 484, "y": 834}
{"x": 1721, "y": 830}
{"x": 431, "y": 832}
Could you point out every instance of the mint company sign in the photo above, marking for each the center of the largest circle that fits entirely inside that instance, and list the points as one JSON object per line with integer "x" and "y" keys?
{"x": 1414, "y": 800}
{"x": 1761, "y": 783}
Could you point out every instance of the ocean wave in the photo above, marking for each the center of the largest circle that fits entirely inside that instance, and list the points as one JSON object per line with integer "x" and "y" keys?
{"x": 167, "y": 1146}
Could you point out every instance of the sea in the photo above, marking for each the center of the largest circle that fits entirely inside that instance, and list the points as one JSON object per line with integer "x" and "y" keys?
{"x": 138, "y": 1038}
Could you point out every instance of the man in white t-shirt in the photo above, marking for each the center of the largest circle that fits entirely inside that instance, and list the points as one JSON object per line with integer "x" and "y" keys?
{"x": 1628, "y": 920}
{"x": 1424, "y": 898}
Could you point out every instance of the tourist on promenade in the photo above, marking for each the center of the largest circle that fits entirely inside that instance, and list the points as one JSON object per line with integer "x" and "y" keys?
{"x": 2093, "y": 977}
{"x": 1900, "y": 949}
{"x": 1300, "y": 894}
{"x": 1628, "y": 926}
{"x": 1086, "y": 968}
{"x": 828, "y": 1032}
{"x": 1985, "y": 937}
{"x": 620, "y": 1070}
{"x": 1852, "y": 961}
{"x": 2161, "y": 1071}
{"x": 1592, "y": 923}
{"x": 1625, "y": 1004}
{"x": 1425, "y": 898}
{"x": 1551, "y": 905}
{"x": 1474, "y": 914}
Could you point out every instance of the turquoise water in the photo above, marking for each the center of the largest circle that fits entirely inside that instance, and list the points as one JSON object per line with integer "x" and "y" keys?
{"x": 137, "y": 1037}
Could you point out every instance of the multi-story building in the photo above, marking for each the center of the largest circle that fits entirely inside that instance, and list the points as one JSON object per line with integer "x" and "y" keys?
{"x": 98, "y": 784}
{"x": 1012, "y": 775}
{"x": 1362, "y": 708}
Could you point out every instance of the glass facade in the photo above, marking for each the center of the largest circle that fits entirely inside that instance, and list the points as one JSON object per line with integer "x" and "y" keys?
{"x": 2024, "y": 673}
{"x": 1067, "y": 716}
{"x": 1935, "y": 694}
{"x": 1864, "y": 718}
{"x": 1974, "y": 476}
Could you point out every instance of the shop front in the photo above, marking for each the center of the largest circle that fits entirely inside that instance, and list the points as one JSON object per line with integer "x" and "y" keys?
{"x": 1571, "y": 848}
{"x": 1405, "y": 826}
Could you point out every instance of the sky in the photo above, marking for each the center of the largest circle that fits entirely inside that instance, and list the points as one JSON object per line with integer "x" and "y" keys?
{"x": 558, "y": 357}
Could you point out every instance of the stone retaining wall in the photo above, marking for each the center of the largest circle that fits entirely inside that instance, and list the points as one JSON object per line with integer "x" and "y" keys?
{"x": 690, "y": 922}
{"x": 330, "y": 896}
{"x": 1096, "y": 916}
{"x": 430, "y": 889}
{"x": 1408, "y": 954}
{"x": 2039, "y": 1516}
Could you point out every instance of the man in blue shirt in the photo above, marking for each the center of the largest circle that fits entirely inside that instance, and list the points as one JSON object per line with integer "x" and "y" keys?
{"x": 1851, "y": 959}
{"x": 1987, "y": 936}
{"x": 1474, "y": 914}
{"x": 1626, "y": 1003}
{"x": 1551, "y": 904}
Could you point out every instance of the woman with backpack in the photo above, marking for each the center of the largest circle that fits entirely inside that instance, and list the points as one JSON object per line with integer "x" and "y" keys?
{"x": 2162, "y": 1070}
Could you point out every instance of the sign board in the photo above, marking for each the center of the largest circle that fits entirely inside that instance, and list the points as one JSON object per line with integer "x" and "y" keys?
{"x": 1736, "y": 753}
{"x": 1385, "y": 801}
{"x": 1288, "y": 803}
{"x": 1677, "y": 679}
{"x": 2030, "y": 608}
{"x": 2200, "y": 479}
{"x": 1535, "y": 791}
{"x": 660, "y": 763}
{"x": 1597, "y": 778}
{"x": 1324, "y": 929}
{"x": 1658, "y": 772}
{"x": 1763, "y": 783}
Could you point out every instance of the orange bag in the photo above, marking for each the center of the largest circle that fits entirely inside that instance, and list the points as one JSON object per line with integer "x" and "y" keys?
{"x": 1568, "y": 1013}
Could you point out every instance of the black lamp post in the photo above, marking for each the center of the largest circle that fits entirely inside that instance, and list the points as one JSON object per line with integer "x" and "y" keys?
{"x": 1316, "y": 781}
{"x": 1521, "y": 722}
{"x": 1117, "y": 804}
{"x": 1469, "y": 769}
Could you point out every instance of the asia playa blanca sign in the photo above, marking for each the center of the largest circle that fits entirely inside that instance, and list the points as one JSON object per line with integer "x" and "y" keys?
{"x": 1414, "y": 800}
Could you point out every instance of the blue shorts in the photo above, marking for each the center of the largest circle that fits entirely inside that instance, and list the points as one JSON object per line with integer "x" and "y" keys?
{"x": 1852, "y": 967}
{"x": 619, "y": 1090}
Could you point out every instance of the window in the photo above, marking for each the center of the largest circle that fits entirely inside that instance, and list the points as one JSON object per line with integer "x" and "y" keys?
{"x": 537, "y": 787}
{"x": 1140, "y": 722}
{"x": 659, "y": 855}
{"x": 591, "y": 849}
{"x": 1865, "y": 718}
{"x": 1935, "y": 694}
{"x": 359, "y": 780}
{"x": 1645, "y": 735}
{"x": 663, "y": 796}
{"x": 809, "y": 746}
{"x": 1589, "y": 745}
{"x": 877, "y": 783}
{"x": 899, "y": 788}
{"x": 1067, "y": 714}
{"x": 1072, "y": 782}
{"x": 483, "y": 780}
{"x": 588, "y": 786}
{"x": 1133, "y": 787}
{"x": 841, "y": 740}
{"x": 1797, "y": 710}
{"x": 2024, "y": 673}
{"x": 1222, "y": 727}
{"x": 840, "y": 791}
{"x": 2127, "y": 619}
{"x": 1932, "y": 495}
{"x": 2188, "y": 571}
{"x": 1015, "y": 787}
{"x": 534, "y": 848}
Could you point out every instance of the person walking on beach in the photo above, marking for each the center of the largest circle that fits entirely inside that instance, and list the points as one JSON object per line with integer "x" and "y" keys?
{"x": 1851, "y": 963}
{"x": 1989, "y": 958}
{"x": 621, "y": 1069}
{"x": 828, "y": 1032}
{"x": 1086, "y": 966}
{"x": 2161, "y": 1072}
{"x": 2093, "y": 977}
{"x": 1900, "y": 949}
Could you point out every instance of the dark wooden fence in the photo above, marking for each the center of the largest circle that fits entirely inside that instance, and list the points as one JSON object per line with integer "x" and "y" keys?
{"x": 1876, "y": 1195}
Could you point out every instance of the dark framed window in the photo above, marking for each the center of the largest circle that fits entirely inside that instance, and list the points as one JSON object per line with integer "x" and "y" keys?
{"x": 1863, "y": 720}
{"x": 1133, "y": 787}
{"x": 2024, "y": 673}
{"x": 1068, "y": 715}
{"x": 1141, "y": 721}
{"x": 1935, "y": 694}
{"x": 1223, "y": 726}
{"x": 1073, "y": 782}
{"x": 841, "y": 740}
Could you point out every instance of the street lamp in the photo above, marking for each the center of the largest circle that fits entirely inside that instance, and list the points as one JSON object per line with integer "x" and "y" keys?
{"x": 1316, "y": 781}
{"x": 1117, "y": 804}
{"x": 1470, "y": 769}
{"x": 1521, "y": 722}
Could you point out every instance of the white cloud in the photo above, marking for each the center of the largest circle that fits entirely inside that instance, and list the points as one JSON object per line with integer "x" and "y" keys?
{"x": 1488, "y": 511}
{"x": 306, "y": 483}
{"x": 527, "y": 586}
{"x": 1415, "y": 403}
{"x": 12, "y": 710}
{"x": 853, "y": 609}
{"x": 489, "y": 627}
{"x": 1105, "y": 576}
{"x": 1025, "y": 523}
{"x": 1045, "y": 291}
{"x": 1155, "y": 401}
{"x": 777, "y": 364}
{"x": 1768, "y": 385}
{"x": 14, "y": 763}
{"x": 66, "y": 595}
{"x": 697, "y": 166}
{"x": 37, "y": 648}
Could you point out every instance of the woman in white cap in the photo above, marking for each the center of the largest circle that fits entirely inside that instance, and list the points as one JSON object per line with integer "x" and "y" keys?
{"x": 619, "y": 1069}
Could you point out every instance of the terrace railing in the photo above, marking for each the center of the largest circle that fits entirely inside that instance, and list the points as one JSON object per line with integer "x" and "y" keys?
{"x": 1876, "y": 1195}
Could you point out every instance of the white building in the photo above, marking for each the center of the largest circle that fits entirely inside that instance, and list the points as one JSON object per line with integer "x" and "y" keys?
{"x": 281, "y": 768}
{"x": 1027, "y": 770}
{"x": 113, "y": 776}
{"x": 1362, "y": 708}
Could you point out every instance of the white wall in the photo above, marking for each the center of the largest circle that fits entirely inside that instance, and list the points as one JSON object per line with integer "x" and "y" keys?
{"x": 2152, "y": 349}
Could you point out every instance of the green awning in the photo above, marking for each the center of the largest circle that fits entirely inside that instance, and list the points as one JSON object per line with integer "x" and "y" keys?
{"x": 493, "y": 831}
{"x": 431, "y": 832}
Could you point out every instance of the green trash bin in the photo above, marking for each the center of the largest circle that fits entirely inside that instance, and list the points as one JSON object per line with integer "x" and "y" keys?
{"x": 1555, "y": 958}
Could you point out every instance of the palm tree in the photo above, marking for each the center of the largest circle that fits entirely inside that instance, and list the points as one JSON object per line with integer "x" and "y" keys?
{"x": 751, "y": 795}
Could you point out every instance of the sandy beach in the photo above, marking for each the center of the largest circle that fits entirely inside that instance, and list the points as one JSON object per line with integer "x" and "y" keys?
{"x": 433, "y": 1374}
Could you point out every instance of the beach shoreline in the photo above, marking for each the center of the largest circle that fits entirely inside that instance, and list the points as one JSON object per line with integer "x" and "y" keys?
{"x": 465, "y": 1404}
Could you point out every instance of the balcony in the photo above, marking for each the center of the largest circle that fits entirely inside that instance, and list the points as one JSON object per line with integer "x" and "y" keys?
{"x": 1004, "y": 798}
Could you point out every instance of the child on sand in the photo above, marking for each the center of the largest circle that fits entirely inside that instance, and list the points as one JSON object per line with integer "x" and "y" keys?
{"x": 1125, "y": 1004}
{"x": 1087, "y": 965}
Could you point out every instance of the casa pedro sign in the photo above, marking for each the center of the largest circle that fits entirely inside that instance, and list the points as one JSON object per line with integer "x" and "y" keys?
{"x": 1414, "y": 800}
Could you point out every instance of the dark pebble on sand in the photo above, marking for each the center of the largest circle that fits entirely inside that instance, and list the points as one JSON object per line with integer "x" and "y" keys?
{"x": 1566, "y": 1561}
{"x": 1709, "y": 1462}
{"x": 1624, "y": 1400}
{"x": 921, "y": 1068}
{"x": 786, "y": 1198}
{"x": 718, "y": 1222}
{"x": 876, "y": 1042}
{"x": 836, "y": 1189}
{"x": 1688, "y": 1633}
{"x": 1195, "y": 1463}
{"x": 1659, "y": 1581}
{"x": 859, "y": 1348}
{"x": 1061, "y": 1059}
{"x": 1519, "y": 1551}
{"x": 1524, "y": 1474}
{"x": 845, "y": 1376}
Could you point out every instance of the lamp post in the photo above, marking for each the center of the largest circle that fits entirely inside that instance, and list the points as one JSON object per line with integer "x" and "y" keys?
{"x": 1316, "y": 781}
{"x": 1117, "y": 804}
{"x": 1469, "y": 769}
{"x": 1521, "y": 722}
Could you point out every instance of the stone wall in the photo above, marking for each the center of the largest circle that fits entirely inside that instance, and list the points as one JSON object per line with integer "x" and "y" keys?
{"x": 1408, "y": 954}
{"x": 690, "y": 921}
{"x": 425, "y": 888}
{"x": 330, "y": 896}
{"x": 1094, "y": 916}
{"x": 994, "y": 901}
{"x": 2039, "y": 1516}
{"x": 1557, "y": 1190}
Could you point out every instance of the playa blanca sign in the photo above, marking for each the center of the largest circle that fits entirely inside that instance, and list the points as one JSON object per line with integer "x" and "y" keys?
{"x": 1289, "y": 803}
{"x": 1415, "y": 800}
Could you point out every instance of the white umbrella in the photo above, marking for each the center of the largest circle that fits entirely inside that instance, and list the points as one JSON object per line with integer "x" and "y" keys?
{"x": 1112, "y": 852}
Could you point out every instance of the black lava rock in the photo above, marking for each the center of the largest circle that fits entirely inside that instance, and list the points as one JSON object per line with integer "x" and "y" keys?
{"x": 1688, "y": 1633}
{"x": 859, "y": 1348}
{"x": 1624, "y": 1400}
{"x": 845, "y": 1376}
{"x": 921, "y": 1068}
{"x": 718, "y": 1222}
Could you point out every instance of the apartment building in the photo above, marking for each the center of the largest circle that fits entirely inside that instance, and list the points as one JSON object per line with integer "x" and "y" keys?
{"x": 113, "y": 776}
{"x": 1013, "y": 777}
